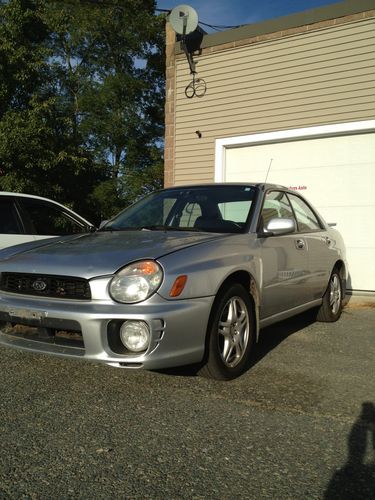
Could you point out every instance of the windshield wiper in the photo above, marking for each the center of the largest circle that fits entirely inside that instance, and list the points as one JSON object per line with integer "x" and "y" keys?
{"x": 110, "y": 228}
{"x": 168, "y": 228}
{"x": 155, "y": 227}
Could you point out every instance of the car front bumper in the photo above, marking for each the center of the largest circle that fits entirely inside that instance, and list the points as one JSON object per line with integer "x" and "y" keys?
{"x": 178, "y": 329}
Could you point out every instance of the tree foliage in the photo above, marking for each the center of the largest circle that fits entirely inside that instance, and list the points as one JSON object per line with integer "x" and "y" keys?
{"x": 81, "y": 101}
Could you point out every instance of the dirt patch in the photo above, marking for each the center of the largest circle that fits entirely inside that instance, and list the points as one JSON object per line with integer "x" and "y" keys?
{"x": 360, "y": 305}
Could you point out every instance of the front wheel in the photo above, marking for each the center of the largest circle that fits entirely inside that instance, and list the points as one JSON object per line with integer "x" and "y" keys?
{"x": 331, "y": 307}
{"x": 230, "y": 335}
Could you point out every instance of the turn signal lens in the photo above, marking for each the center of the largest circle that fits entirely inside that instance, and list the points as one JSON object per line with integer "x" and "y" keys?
{"x": 147, "y": 267}
{"x": 178, "y": 286}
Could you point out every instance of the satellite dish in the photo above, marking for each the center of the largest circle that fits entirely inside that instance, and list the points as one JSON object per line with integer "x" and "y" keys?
{"x": 184, "y": 19}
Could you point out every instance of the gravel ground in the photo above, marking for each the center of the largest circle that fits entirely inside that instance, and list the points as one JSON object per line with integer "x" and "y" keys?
{"x": 299, "y": 424}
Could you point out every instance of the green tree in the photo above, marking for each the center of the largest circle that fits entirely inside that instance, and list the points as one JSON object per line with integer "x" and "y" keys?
{"x": 109, "y": 61}
{"x": 22, "y": 53}
{"x": 37, "y": 150}
{"x": 81, "y": 102}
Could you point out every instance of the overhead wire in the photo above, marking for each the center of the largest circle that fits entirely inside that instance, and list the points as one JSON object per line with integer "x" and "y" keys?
{"x": 221, "y": 27}
{"x": 108, "y": 3}
{"x": 216, "y": 27}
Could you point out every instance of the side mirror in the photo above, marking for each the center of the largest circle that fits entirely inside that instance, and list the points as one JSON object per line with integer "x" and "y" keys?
{"x": 278, "y": 227}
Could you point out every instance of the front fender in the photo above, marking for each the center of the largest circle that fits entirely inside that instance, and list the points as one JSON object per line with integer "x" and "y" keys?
{"x": 208, "y": 265}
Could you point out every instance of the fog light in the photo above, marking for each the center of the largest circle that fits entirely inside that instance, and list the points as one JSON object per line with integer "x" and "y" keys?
{"x": 135, "y": 335}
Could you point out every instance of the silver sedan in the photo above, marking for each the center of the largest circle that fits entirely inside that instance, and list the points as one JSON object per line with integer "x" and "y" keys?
{"x": 186, "y": 275}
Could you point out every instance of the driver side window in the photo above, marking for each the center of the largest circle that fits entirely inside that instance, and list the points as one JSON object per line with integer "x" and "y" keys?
{"x": 276, "y": 206}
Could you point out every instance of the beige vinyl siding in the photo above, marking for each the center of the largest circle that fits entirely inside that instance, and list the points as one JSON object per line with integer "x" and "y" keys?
{"x": 314, "y": 78}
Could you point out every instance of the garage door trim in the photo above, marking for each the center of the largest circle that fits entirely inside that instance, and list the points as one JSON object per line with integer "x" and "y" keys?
{"x": 221, "y": 145}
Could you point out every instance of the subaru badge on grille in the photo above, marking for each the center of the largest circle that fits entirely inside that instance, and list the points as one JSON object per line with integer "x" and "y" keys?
{"x": 39, "y": 285}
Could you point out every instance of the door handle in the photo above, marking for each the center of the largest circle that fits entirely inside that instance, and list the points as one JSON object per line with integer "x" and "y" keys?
{"x": 300, "y": 244}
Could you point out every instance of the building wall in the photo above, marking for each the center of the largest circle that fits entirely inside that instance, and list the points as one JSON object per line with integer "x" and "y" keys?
{"x": 311, "y": 75}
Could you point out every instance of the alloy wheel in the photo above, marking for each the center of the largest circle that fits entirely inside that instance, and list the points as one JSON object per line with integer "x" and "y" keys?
{"x": 335, "y": 294}
{"x": 233, "y": 329}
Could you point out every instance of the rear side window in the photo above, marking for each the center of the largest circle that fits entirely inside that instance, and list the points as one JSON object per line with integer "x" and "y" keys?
{"x": 9, "y": 221}
{"x": 46, "y": 219}
{"x": 306, "y": 219}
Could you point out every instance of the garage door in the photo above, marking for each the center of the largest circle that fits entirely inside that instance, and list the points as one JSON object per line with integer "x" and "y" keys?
{"x": 337, "y": 174}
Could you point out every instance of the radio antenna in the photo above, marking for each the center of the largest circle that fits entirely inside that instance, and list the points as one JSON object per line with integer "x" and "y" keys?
{"x": 268, "y": 171}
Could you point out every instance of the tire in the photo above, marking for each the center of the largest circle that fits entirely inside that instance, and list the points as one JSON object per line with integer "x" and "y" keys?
{"x": 331, "y": 307}
{"x": 230, "y": 335}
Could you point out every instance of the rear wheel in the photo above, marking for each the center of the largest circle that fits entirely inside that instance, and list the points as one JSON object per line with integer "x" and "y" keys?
{"x": 331, "y": 307}
{"x": 230, "y": 335}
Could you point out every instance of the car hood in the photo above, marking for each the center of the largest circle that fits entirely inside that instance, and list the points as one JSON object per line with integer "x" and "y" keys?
{"x": 97, "y": 254}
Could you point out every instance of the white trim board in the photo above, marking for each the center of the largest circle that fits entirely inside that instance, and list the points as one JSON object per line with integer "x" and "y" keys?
{"x": 285, "y": 135}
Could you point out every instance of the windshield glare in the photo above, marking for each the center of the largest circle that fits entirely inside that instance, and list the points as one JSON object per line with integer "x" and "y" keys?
{"x": 222, "y": 209}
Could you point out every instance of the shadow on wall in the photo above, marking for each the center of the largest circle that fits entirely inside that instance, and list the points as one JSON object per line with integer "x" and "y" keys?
{"x": 356, "y": 480}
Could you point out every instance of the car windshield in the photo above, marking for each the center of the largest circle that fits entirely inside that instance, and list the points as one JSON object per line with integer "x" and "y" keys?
{"x": 221, "y": 209}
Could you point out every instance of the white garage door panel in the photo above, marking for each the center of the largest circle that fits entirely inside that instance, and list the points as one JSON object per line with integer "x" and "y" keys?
{"x": 361, "y": 268}
{"x": 356, "y": 223}
{"x": 337, "y": 174}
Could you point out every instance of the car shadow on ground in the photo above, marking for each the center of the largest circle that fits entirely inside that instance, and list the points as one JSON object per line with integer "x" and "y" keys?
{"x": 274, "y": 335}
{"x": 269, "y": 339}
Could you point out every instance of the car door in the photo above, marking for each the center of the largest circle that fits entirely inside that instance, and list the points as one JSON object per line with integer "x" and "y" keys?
{"x": 11, "y": 228}
{"x": 318, "y": 244}
{"x": 284, "y": 260}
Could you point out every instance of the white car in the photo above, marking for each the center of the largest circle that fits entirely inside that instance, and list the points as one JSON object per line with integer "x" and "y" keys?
{"x": 24, "y": 217}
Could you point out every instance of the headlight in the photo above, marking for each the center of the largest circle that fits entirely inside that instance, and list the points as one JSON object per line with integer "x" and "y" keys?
{"x": 136, "y": 282}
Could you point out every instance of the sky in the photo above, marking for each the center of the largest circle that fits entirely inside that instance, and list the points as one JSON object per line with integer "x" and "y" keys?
{"x": 236, "y": 12}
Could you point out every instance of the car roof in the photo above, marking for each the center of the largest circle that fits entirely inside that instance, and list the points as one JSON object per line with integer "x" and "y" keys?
{"x": 25, "y": 195}
{"x": 41, "y": 198}
{"x": 261, "y": 185}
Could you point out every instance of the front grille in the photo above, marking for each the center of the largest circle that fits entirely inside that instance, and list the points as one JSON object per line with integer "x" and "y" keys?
{"x": 41, "y": 285}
